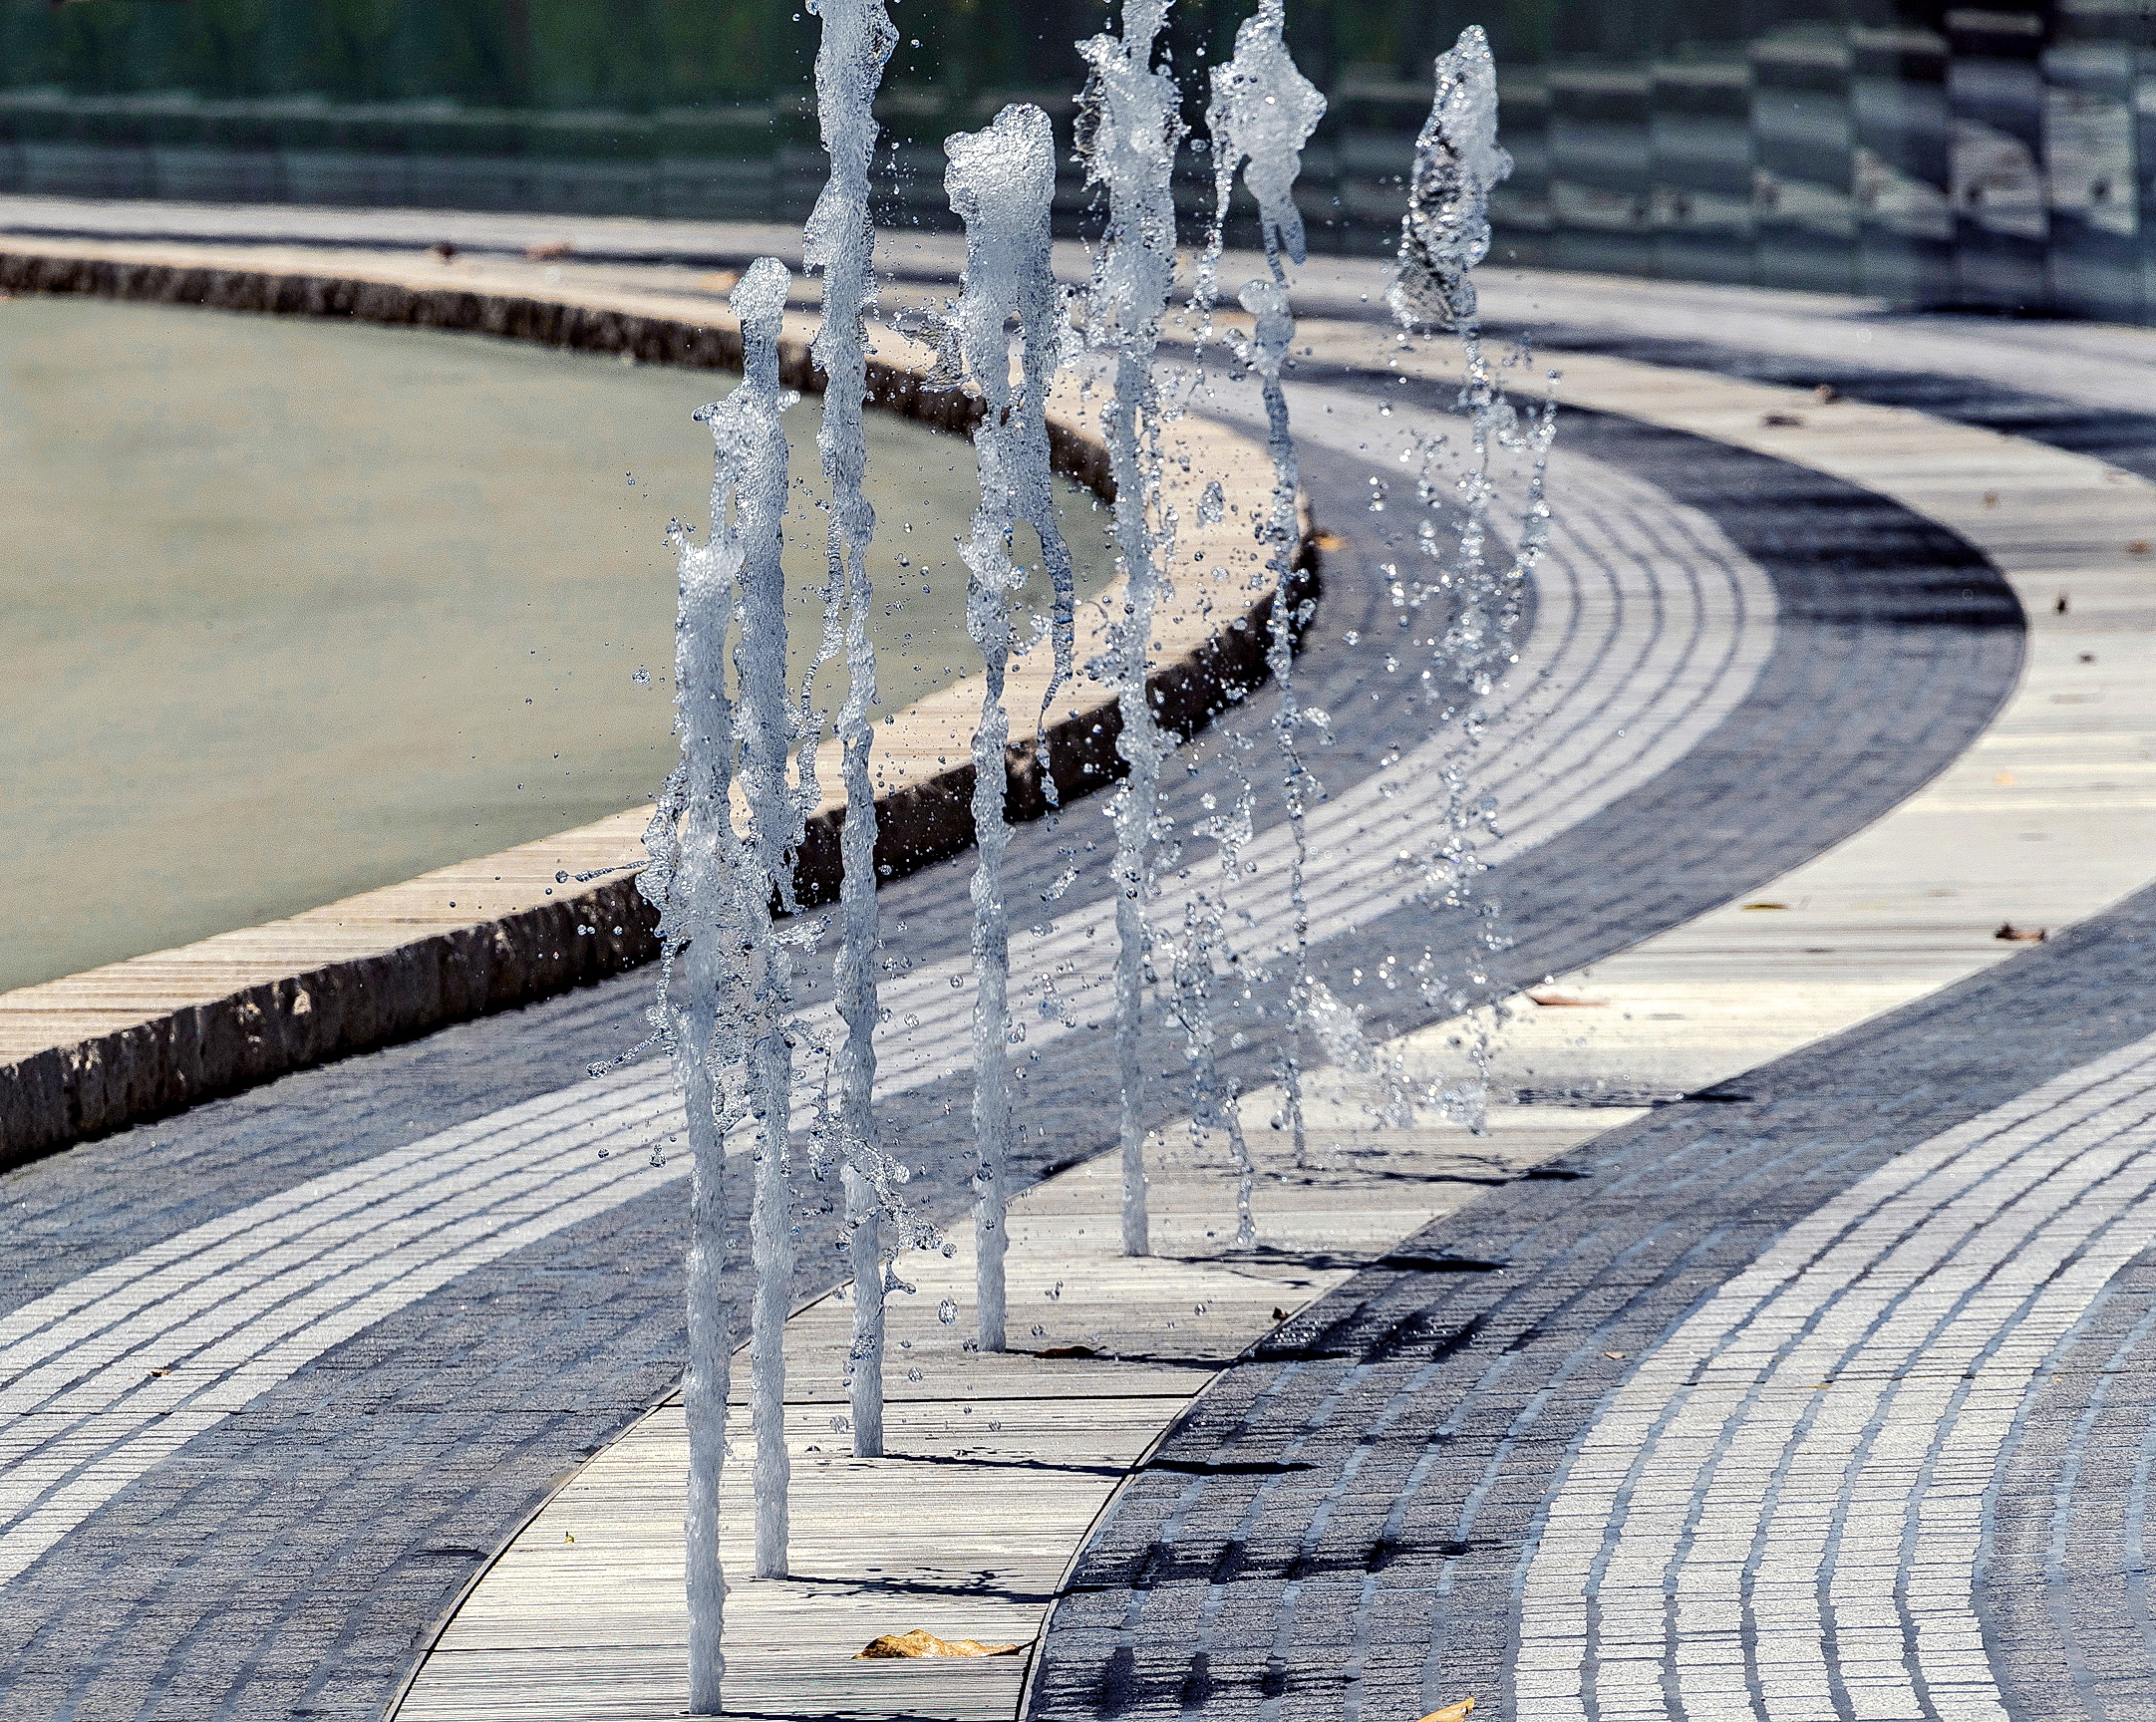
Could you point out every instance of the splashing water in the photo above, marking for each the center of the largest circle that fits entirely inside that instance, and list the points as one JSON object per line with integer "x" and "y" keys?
{"x": 1002, "y": 181}
{"x": 713, "y": 888}
{"x": 1444, "y": 236}
{"x": 1194, "y": 964}
{"x": 774, "y": 837}
{"x": 1458, "y": 163}
{"x": 1339, "y": 1033}
{"x": 1262, "y": 111}
{"x": 726, "y": 1002}
{"x": 1129, "y": 128}
{"x": 857, "y": 39}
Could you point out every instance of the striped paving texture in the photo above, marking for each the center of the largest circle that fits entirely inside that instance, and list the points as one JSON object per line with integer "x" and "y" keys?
{"x": 1782, "y": 1508}
{"x": 590, "y": 1318}
{"x": 283, "y": 1372}
{"x": 1737, "y": 1421}
{"x": 1747, "y": 1337}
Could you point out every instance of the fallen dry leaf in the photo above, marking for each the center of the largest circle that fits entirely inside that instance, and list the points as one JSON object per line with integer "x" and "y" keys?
{"x": 2137, "y": 546}
{"x": 1278, "y": 1314}
{"x": 1549, "y": 998}
{"x": 1785, "y": 420}
{"x": 547, "y": 250}
{"x": 898, "y": 1645}
{"x": 2022, "y": 935}
{"x": 1067, "y": 1351}
{"x": 1328, "y": 540}
{"x": 721, "y": 280}
{"x": 1616, "y": 1356}
{"x": 1451, "y": 1712}
{"x": 1990, "y": 498}
{"x": 1767, "y": 905}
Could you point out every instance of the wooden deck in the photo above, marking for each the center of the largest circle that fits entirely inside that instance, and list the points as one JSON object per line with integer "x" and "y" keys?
{"x": 998, "y": 1462}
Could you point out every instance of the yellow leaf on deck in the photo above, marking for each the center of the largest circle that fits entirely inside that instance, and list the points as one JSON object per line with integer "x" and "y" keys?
{"x": 920, "y": 1644}
{"x": 1451, "y": 1712}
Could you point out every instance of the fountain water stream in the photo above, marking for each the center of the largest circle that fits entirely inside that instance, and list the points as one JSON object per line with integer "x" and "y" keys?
{"x": 694, "y": 853}
{"x": 1002, "y": 184}
{"x": 1444, "y": 236}
{"x": 1263, "y": 111}
{"x": 857, "y": 40}
{"x": 1129, "y": 128}
{"x": 725, "y": 1021}
{"x": 774, "y": 829}
{"x": 722, "y": 866}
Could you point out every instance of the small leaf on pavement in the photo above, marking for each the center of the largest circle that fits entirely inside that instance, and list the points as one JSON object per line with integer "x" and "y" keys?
{"x": 895, "y": 1645}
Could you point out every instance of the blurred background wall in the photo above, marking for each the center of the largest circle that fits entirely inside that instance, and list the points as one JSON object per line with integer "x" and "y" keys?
{"x": 2000, "y": 157}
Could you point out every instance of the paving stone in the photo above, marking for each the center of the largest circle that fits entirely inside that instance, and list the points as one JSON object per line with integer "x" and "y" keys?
{"x": 346, "y": 1500}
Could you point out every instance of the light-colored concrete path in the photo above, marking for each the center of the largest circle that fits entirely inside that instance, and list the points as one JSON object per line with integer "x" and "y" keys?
{"x": 998, "y": 1464}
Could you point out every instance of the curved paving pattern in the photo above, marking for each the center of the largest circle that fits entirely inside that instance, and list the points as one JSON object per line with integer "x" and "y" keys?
{"x": 300, "y": 1271}
{"x": 1388, "y": 1507}
{"x": 337, "y": 1542}
{"x": 2064, "y": 1569}
{"x": 117, "y": 1372}
{"x": 1780, "y": 1509}
{"x": 1402, "y": 1439}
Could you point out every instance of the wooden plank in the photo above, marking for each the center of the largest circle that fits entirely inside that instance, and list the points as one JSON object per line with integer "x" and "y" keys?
{"x": 996, "y": 1463}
